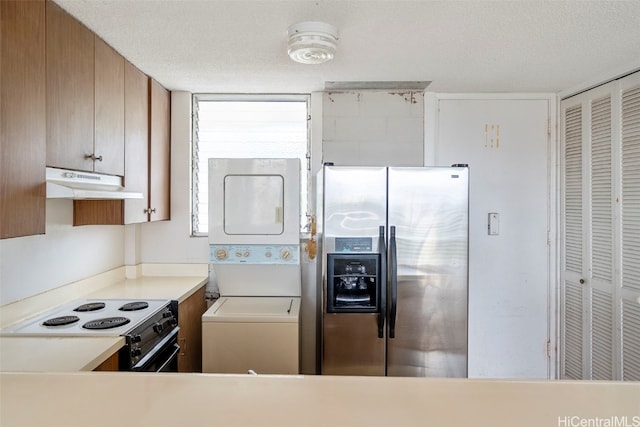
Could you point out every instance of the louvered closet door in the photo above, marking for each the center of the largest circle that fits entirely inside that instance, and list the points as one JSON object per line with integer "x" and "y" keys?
{"x": 600, "y": 309}
{"x": 630, "y": 290}
{"x": 587, "y": 324}
{"x": 573, "y": 331}
{"x": 601, "y": 284}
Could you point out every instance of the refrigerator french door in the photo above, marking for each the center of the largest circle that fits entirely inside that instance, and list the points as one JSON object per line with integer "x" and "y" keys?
{"x": 395, "y": 271}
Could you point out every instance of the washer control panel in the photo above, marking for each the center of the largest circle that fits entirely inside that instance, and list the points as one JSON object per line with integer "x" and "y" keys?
{"x": 254, "y": 254}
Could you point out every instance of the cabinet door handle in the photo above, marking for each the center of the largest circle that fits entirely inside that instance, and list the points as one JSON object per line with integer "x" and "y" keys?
{"x": 93, "y": 157}
{"x": 582, "y": 281}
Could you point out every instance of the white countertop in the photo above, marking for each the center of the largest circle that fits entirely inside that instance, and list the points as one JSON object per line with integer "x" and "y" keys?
{"x": 125, "y": 398}
{"x": 56, "y": 354}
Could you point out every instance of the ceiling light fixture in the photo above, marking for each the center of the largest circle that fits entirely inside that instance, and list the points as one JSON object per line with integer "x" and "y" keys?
{"x": 312, "y": 42}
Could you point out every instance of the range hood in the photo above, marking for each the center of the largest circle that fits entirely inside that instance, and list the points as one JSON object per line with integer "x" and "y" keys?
{"x": 77, "y": 185}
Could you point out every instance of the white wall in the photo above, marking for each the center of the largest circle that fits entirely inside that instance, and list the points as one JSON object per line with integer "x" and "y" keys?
{"x": 65, "y": 254}
{"x": 373, "y": 128}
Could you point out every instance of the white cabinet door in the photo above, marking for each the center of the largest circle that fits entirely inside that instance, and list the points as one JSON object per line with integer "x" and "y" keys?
{"x": 505, "y": 142}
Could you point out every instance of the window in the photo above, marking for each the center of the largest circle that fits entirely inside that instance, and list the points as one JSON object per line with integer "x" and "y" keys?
{"x": 246, "y": 126}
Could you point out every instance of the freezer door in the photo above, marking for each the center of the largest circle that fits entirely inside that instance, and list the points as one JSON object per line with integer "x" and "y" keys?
{"x": 354, "y": 210}
{"x": 428, "y": 213}
{"x": 351, "y": 345}
{"x": 355, "y": 206}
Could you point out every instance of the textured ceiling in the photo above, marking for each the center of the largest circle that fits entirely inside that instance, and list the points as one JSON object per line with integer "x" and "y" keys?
{"x": 460, "y": 46}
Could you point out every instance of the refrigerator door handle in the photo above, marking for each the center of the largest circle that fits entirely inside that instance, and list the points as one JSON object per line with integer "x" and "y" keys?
{"x": 382, "y": 314}
{"x": 394, "y": 281}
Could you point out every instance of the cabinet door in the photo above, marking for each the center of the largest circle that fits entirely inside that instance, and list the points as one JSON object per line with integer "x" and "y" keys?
{"x": 159, "y": 153}
{"x": 22, "y": 118}
{"x": 70, "y": 97}
{"x": 109, "y": 109}
{"x": 136, "y": 165}
{"x": 112, "y": 364}
{"x": 136, "y": 176}
{"x": 190, "y": 313}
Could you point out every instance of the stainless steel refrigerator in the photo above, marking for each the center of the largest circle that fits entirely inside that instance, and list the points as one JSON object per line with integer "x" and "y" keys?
{"x": 394, "y": 270}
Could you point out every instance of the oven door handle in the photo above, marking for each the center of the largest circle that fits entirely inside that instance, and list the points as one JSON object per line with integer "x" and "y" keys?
{"x": 154, "y": 351}
{"x": 176, "y": 349}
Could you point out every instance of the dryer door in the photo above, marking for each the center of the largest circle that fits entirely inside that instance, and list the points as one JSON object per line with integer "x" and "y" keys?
{"x": 253, "y": 204}
{"x": 254, "y": 201}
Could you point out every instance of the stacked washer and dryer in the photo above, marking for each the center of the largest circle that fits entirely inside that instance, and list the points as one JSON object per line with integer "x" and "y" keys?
{"x": 254, "y": 242}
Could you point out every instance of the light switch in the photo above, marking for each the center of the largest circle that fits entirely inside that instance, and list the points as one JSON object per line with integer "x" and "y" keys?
{"x": 494, "y": 224}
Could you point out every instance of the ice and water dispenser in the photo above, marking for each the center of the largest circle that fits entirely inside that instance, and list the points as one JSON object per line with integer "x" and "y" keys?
{"x": 353, "y": 277}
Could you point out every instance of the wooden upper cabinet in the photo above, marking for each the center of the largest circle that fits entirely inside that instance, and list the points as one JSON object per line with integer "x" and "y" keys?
{"x": 109, "y": 109}
{"x": 70, "y": 96}
{"x": 148, "y": 157}
{"x": 136, "y": 143}
{"x": 22, "y": 118}
{"x": 85, "y": 97}
{"x": 159, "y": 152}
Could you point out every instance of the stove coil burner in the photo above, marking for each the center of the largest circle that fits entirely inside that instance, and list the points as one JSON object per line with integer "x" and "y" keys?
{"x": 61, "y": 321}
{"x": 134, "y": 306}
{"x": 90, "y": 306}
{"x": 106, "y": 323}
